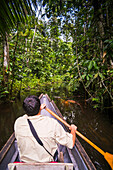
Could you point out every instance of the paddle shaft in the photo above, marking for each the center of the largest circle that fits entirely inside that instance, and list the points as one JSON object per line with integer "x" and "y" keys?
{"x": 78, "y": 133}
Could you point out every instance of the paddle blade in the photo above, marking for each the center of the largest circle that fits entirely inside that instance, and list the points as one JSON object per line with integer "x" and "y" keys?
{"x": 109, "y": 159}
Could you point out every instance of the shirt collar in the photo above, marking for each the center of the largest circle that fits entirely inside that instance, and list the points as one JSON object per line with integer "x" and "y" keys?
{"x": 32, "y": 117}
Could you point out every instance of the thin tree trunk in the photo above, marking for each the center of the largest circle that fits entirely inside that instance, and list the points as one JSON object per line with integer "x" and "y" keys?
{"x": 99, "y": 22}
{"x": 33, "y": 36}
{"x": 6, "y": 62}
{"x": 14, "y": 60}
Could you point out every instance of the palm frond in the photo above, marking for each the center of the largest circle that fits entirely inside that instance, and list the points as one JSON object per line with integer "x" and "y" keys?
{"x": 13, "y": 12}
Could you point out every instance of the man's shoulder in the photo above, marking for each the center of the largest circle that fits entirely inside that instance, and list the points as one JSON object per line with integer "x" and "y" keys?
{"x": 49, "y": 119}
{"x": 55, "y": 121}
{"x": 20, "y": 119}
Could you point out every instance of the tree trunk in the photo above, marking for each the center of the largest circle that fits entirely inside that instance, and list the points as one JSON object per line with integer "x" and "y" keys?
{"x": 14, "y": 60}
{"x": 5, "y": 62}
{"x": 33, "y": 36}
{"x": 99, "y": 22}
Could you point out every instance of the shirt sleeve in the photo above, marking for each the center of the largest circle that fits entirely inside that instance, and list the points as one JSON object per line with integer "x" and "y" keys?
{"x": 62, "y": 137}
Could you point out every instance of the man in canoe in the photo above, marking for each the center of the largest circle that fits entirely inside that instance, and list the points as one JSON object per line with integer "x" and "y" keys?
{"x": 49, "y": 131}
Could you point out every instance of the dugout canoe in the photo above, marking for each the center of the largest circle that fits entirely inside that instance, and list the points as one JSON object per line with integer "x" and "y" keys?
{"x": 77, "y": 156}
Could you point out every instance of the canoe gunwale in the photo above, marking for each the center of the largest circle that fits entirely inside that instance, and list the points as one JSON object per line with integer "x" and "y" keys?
{"x": 7, "y": 146}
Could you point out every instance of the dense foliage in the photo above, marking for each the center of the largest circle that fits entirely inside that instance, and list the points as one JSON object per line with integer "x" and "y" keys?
{"x": 70, "y": 45}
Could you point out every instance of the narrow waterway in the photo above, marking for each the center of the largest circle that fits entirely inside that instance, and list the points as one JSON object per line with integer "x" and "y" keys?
{"x": 92, "y": 124}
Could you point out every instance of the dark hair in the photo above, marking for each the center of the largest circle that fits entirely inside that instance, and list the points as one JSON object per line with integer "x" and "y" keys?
{"x": 31, "y": 105}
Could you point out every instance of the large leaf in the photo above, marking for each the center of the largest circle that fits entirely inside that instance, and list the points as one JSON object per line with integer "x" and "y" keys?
{"x": 13, "y": 12}
{"x": 90, "y": 65}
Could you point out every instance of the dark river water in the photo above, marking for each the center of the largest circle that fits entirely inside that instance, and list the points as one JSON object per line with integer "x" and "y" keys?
{"x": 94, "y": 125}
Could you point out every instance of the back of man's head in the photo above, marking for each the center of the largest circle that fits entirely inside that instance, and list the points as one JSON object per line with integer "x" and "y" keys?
{"x": 31, "y": 105}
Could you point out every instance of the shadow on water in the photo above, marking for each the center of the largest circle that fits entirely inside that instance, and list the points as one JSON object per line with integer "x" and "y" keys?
{"x": 92, "y": 124}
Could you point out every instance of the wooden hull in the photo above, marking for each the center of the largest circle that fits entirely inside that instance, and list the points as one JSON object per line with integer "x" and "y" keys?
{"x": 77, "y": 155}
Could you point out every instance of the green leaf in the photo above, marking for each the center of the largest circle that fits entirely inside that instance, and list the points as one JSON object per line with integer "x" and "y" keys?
{"x": 96, "y": 75}
{"x": 87, "y": 77}
{"x": 95, "y": 106}
{"x": 4, "y": 92}
{"x": 83, "y": 76}
{"x": 95, "y": 65}
{"x": 95, "y": 99}
{"x": 101, "y": 75}
{"x": 90, "y": 65}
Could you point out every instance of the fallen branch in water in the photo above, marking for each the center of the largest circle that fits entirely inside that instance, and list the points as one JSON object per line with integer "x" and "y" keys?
{"x": 72, "y": 101}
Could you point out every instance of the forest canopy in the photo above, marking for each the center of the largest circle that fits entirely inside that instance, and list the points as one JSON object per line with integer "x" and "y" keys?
{"x": 64, "y": 42}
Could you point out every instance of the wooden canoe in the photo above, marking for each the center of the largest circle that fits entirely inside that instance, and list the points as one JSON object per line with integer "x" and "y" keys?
{"x": 77, "y": 156}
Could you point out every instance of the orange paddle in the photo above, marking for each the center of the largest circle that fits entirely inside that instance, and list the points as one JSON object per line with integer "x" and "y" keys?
{"x": 107, "y": 156}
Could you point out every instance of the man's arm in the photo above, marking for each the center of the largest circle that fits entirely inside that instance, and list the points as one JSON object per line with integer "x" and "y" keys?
{"x": 73, "y": 129}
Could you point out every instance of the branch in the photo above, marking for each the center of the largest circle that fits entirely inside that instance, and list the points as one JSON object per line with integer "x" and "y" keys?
{"x": 107, "y": 89}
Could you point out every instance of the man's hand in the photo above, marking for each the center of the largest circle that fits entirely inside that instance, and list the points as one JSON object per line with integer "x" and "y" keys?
{"x": 42, "y": 106}
{"x": 73, "y": 128}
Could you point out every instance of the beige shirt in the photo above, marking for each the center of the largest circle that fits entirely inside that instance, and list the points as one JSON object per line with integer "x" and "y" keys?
{"x": 49, "y": 131}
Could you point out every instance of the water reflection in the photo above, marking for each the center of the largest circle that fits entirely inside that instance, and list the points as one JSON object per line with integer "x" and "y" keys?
{"x": 94, "y": 125}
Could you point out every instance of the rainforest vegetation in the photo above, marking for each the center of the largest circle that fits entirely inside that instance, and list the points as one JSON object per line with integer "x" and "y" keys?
{"x": 63, "y": 43}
